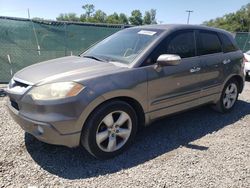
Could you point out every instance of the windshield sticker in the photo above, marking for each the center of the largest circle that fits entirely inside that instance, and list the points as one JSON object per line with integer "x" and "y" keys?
{"x": 144, "y": 32}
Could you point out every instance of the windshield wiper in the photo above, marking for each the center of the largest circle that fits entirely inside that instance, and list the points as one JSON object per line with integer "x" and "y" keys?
{"x": 94, "y": 57}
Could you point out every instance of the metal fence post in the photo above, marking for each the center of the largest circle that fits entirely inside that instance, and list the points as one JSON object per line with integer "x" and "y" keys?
{"x": 65, "y": 39}
{"x": 9, "y": 60}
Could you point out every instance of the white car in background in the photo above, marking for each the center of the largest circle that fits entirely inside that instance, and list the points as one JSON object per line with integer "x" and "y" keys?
{"x": 247, "y": 63}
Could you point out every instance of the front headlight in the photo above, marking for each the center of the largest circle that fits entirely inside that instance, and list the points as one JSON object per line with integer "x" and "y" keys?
{"x": 56, "y": 91}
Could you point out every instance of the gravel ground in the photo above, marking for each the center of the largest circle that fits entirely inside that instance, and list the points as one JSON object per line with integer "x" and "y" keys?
{"x": 199, "y": 148}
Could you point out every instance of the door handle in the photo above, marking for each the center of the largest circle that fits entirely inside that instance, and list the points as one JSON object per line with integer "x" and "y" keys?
{"x": 195, "y": 69}
{"x": 226, "y": 61}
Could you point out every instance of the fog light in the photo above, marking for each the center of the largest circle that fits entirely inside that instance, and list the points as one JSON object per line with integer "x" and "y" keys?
{"x": 40, "y": 129}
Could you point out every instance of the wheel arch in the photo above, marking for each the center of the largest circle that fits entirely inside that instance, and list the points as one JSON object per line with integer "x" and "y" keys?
{"x": 239, "y": 79}
{"x": 133, "y": 102}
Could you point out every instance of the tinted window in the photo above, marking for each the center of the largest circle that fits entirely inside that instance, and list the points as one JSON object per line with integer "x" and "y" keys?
{"x": 228, "y": 45}
{"x": 182, "y": 44}
{"x": 209, "y": 43}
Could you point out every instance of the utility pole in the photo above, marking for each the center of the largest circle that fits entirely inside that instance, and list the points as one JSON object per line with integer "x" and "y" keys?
{"x": 189, "y": 12}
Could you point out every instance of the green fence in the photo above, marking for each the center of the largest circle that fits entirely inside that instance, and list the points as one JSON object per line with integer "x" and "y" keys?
{"x": 243, "y": 40}
{"x": 24, "y": 42}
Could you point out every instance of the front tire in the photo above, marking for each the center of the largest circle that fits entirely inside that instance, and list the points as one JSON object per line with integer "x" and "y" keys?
{"x": 110, "y": 129}
{"x": 228, "y": 98}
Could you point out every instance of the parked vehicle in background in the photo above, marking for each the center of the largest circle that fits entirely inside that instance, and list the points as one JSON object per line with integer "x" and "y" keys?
{"x": 247, "y": 63}
{"x": 101, "y": 98}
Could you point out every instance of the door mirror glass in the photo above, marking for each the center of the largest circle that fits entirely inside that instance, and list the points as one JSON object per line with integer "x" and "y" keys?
{"x": 168, "y": 60}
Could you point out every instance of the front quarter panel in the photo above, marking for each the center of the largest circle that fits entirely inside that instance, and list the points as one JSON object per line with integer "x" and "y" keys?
{"x": 127, "y": 83}
{"x": 130, "y": 83}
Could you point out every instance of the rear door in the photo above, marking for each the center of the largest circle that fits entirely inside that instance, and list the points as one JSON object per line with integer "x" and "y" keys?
{"x": 232, "y": 62}
{"x": 211, "y": 62}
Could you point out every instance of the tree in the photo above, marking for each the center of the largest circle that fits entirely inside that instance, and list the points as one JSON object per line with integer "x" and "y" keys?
{"x": 123, "y": 19}
{"x": 83, "y": 18}
{"x": 68, "y": 17}
{"x": 150, "y": 17}
{"x": 62, "y": 17}
{"x": 234, "y": 22}
{"x": 73, "y": 17}
{"x": 153, "y": 16}
{"x": 147, "y": 18}
{"x": 113, "y": 19}
{"x": 136, "y": 18}
{"x": 99, "y": 17}
{"x": 89, "y": 9}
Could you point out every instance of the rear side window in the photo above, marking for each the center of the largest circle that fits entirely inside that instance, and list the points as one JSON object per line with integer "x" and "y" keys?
{"x": 209, "y": 43}
{"x": 182, "y": 44}
{"x": 228, "y": 45}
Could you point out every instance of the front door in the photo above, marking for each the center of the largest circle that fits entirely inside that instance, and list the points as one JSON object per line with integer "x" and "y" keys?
{"x": 174, "y": 88}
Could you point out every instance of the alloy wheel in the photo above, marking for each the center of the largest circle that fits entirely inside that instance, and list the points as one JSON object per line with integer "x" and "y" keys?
{"x": 230, "y": 95}
{"x": 114, "y": 131}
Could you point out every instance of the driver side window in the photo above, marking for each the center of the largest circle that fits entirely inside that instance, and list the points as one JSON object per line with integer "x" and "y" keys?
{"x": 183, "y": 45}
{"x": 180, "y": 43}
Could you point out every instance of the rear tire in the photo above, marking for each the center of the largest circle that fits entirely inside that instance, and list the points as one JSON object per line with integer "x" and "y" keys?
{"x": 110, "y": 129}
{"x": 229, "y": 97}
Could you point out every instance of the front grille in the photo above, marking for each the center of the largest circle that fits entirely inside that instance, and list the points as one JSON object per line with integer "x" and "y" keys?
{"x": 14, "y": 104}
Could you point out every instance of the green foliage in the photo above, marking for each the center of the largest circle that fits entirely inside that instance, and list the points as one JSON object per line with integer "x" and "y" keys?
{"x": 92, "y": 16}
{"x": 123, "y": 19}
{"x": 83, "y": 18}
{"x": 149, "y": 17}
{"x": 89, "y": 9}
{"x": 68, "y": 17}
{"x": 234, "y": 22}
{"x": 113, "y": 19}
{"x": 100, "y": 16}
{"x": 136, "y": 17}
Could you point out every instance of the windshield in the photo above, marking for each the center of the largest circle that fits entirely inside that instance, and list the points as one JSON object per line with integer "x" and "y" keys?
{"x": 124, "y": 46}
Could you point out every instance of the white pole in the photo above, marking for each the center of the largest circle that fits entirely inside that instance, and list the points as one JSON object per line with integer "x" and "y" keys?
{"x": 38, "y": 49}
{"x": 28, "y": 13}
{"x": 11, "y": 72}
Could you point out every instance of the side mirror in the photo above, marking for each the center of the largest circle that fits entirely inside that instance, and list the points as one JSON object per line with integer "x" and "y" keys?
{"x": 168, "y": 60}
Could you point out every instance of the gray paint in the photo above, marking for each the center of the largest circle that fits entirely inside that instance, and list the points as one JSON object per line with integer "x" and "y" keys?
{"x": 159, "y": 92}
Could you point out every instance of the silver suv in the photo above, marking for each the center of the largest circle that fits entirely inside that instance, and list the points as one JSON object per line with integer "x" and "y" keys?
{"x": 100, "y": 98}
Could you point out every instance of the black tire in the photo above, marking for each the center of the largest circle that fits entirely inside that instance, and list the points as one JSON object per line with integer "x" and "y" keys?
{"x": 89, "y": 131}
{"x": 247, "y": 76}
{"x": 220, "y": 106}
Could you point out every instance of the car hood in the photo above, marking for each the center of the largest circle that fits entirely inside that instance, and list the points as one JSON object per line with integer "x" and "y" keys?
{"x": 71, "y": 68}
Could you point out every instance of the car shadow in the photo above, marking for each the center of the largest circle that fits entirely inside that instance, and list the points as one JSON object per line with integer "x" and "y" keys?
{"x": 248, "y": 78}
{"x": 161, "y": 137}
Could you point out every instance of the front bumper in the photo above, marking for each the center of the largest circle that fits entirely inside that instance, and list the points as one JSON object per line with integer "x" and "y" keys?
{"x": 44, "y": 131}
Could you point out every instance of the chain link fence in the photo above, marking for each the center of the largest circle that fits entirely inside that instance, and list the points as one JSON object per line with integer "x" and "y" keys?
{"x": 24, "y": 42}
{"x": 243, "y": 40}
